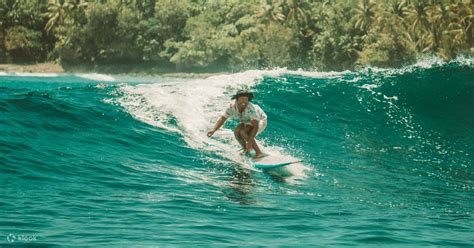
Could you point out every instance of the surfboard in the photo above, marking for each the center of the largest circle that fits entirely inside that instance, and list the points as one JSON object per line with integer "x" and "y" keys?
{"x": 272, "y": 162}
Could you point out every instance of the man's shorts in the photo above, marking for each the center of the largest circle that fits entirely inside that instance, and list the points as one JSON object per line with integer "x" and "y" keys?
{"x": 262, "y": 124}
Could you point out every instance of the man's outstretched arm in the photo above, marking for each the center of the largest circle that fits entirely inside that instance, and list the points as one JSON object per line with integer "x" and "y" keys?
{"x": 218, "y": 125}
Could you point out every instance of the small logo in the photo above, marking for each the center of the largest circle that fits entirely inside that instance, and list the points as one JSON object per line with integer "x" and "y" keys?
{"x": 11, "y": 238}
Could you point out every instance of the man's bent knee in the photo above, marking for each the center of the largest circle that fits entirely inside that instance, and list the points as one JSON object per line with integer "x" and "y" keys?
{"x": 237, "y": 130}
{"x": 244, "y": 132}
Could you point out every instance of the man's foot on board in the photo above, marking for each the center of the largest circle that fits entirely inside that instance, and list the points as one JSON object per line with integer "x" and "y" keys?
{"x": 244, "y": 153}
{"x": 259, "y": 156}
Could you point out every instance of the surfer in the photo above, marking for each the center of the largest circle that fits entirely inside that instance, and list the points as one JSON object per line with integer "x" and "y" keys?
{"x": 252, "y": 121}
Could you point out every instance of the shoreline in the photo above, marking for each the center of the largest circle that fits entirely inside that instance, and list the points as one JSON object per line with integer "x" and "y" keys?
{"x": 49, "y": 67}
{"x": 143, "y": 70}
{"x": 32, "y": 68}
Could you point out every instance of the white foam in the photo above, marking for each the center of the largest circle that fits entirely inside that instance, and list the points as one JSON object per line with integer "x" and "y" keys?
{"x": 96, "y": 77}
{"x": 2, "y": 73}
{"x": 312, "y": 74}
{"x": 464, "y": 61}
{"x": 317, "y": 74}
{"x": 426, "y": 62}
{"x": 297, "y": 171}
{"x": 191, "y": 107}
{"x": 369, "y": 86}
{"x": 31, "y": 74}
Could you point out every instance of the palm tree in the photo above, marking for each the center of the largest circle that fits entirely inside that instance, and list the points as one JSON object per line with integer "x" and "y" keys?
{"x": 57, "y": 11}
{"x": 320, "y": 13}
{"x": 270, "y": 11}
{"x": 437, "y": 16}
{"x": 297, "y": 16}
{"x": 455, "y": 35}
{"x": 463, "y": 15}
{"x": 296, "y": 11}
{"x": 419, "y": 29}
{"x": 418, "y": 14}
{"x": 398, "y": 8}
{"x": 364, "y": 14}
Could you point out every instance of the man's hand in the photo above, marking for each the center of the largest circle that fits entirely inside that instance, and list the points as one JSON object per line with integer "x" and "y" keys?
{"x": 210, "y": 133}
{"x": 218, "y": 125}
{"x": 248, "y": 146}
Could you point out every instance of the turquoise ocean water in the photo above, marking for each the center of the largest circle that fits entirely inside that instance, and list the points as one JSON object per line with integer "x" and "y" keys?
{"x": 93, "y": 160}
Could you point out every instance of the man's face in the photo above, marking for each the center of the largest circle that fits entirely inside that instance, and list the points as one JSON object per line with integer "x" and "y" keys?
{"x": 242, "y": 102}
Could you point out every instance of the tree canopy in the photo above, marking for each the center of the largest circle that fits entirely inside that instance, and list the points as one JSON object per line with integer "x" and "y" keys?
{"x": 235, "y": 34}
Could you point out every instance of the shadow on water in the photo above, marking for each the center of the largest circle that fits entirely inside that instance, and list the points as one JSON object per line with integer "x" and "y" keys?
{"x": 242, "y": 184}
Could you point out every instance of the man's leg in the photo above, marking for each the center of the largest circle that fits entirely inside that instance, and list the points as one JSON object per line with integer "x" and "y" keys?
{"x": 245, "y": 133}
{"x": 237, "y": 135}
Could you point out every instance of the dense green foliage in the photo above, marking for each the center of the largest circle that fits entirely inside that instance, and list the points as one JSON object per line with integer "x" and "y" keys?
{"x": 235, "y": 34}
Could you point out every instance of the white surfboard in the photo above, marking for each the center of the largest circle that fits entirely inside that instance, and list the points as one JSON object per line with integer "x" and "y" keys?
{"x": 273, "y": 161}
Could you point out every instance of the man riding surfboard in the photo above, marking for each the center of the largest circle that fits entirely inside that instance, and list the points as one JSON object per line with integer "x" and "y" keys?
{"x": 252, "y": 121}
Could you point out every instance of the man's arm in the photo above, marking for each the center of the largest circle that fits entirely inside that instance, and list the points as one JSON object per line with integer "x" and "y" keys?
{"x": 218, "y": 125}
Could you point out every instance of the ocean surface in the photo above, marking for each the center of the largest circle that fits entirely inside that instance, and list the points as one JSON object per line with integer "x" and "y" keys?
{"x": 103, "y": 160}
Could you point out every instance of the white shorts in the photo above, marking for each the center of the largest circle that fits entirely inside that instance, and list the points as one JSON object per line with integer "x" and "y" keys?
{"x": 261, "y": 126}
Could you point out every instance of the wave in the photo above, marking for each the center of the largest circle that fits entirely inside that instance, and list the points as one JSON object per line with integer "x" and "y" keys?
{"x": 413, "y": 105}
{"x": 96, "y": 77}
{"x": 422, "y": 64}
{"x": 403, "y": 103}
{"x": 191, "y": 107}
